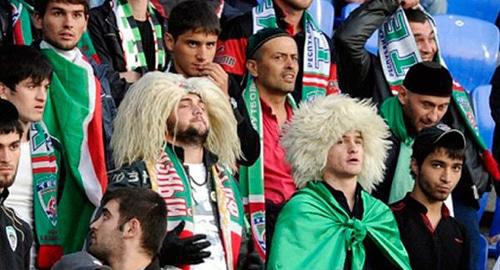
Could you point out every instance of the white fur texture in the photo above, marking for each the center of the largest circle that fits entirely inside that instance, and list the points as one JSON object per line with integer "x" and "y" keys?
{"x": 317, "y": 125}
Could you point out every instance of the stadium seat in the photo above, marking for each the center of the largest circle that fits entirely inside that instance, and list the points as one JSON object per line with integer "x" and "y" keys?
{"x": 372, "y": 43}
{"x": 480, "y": 101}
{"x": 482, "y": 264}
{"x": 324, "y": 14}
{"x": 481, "y": 9}
{"x": 469, "y": 47}
{"x": 347, "y": 9}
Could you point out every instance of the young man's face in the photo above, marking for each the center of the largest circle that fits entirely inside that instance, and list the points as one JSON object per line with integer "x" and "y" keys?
{"x": 192, "y": 120}
{"x": 28, "y": 97}
{"x": 426, "y": 41}
{"x": 276, "y": 65}
{"x": 345, "y": 157}
{"x": 62, "y": 24}
{"x": 9, "y": 158}
{"x": 106, "y": 236}
{"x": 423, "y": 110}
{"x": 438, "y": 175}
{"x": 192, "y": 52}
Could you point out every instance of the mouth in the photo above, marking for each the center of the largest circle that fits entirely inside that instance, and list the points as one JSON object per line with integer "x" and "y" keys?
{"x": 353, "y": 161}
{"x": 66, "y": 35}
{"x": 289, "y": 77}
{"x": 39, "y": 108}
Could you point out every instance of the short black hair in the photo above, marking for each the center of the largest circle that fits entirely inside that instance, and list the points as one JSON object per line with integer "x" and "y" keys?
{"x": 451, "y": 149}
{"x": 146, "y": 206}
{"x": 9, "y": 120}
{"x": 416, "y": 15}
{"x": 22, "y": 62}
{"x": 41, "y": 5}
{"x": 193, "y": 15}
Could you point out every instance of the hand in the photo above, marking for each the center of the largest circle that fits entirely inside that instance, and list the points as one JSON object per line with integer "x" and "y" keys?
{"x": 218, "y": 75}
{"x": 130, "y": 76}
{"x": 406, "y": 4}
{"x": 176, "y": 251}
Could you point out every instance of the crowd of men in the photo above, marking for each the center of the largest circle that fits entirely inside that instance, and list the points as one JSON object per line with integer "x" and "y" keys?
{"x": 135, "y": 139}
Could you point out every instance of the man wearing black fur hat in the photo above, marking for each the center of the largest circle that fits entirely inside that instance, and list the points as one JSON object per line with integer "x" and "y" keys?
{"x": 425, "y": 99}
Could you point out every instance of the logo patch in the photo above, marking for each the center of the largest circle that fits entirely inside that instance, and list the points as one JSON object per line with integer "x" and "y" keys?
{"x": 12, "y": 237}
{"x": 259, "y": 229}
{"x": 46, "y": 191}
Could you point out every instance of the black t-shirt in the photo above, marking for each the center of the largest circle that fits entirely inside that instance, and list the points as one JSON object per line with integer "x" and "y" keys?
{"x": 148, "y": 43}
{"x": 441, "y": 248}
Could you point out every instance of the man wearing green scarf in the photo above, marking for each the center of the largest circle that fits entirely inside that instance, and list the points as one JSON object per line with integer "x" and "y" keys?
{"x": 24, "y": 81}
{"x": 336, "y": 146}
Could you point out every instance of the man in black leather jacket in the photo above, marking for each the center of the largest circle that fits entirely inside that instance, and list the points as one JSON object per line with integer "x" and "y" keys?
{"x": 360, "y": 74}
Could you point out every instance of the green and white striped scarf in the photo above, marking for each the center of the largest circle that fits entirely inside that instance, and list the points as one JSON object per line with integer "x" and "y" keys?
{"x": 131, "y": 36}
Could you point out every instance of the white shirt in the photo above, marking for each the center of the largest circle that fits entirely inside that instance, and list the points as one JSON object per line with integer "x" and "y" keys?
{"x": 204, "y": 218}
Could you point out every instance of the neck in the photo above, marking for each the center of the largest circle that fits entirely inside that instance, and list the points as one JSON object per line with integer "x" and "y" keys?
{"x": 345, "y": 184}
{"x": 433, "y": 207}
{"x": 26, "y": 128}
{"x": 276, "y": 100}
{"x": 292, "y": 15}
{"x": 139, "y": 9}
{"x": 130, "y": 260}
{"x": 193, "y": 153}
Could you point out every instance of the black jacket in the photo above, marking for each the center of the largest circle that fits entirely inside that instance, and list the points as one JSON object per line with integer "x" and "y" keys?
{"x": 15, "y": 238}
{"x": 360, "y": 74}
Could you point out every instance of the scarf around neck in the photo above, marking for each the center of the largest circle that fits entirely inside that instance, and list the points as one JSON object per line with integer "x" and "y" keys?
{"x": 45, "y": 175}
{"x": 131, "y": 36}
{"x": 398, "y": 52}
{"x": 317, "y": 58}
{"x": 176, "y": 191}
{"x": 252, "y": 178}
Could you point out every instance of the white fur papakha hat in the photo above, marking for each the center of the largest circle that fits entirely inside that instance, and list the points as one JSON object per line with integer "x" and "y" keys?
{"x": 319, "y": 124}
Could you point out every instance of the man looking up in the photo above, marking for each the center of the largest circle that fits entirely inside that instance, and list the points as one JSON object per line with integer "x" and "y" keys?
{"x": 178, "y": 137}
{"x": 272, "y": 63}
{"x": 193, "y": 29}
{"x": 24, "y": 81}
{"x": 79, "y": 112}
{"x": 15, "y": 234}
{"x": 433, "y": 239}
{"x": 336, "y": 146}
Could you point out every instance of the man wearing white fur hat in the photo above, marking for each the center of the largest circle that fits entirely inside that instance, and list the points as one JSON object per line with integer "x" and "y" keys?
{"x": 336, "y": 146}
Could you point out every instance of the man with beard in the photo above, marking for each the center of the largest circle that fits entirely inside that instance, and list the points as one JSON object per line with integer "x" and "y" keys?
{"x": 126, "y": 235}
{"x": 433, "y": 239}
{"x": 15, "y": 234}
{"x": 178, "y": 137}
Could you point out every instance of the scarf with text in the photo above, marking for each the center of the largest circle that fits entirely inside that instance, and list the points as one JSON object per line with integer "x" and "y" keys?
{"x": 317, "y": 58}
{"x": 398, "y": 52}
{"x": 131, "y": 36}
{"x": 252, "y": 178}
{"x": 44, "y": 169}
{"x": 172, "y": 183}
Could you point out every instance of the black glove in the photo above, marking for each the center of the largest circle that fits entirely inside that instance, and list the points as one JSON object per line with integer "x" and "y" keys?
{"x": 176, "y": 251}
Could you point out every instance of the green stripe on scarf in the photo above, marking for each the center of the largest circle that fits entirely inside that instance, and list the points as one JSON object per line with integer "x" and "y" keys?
{"x": 252, "y": 178}
{"x": 317, "y": 58}
{"x": 21, "y": 22}
{"x": 131, "y": 36}
{"x": 66, "y": 109}
{"x": 314, "y": 232}
{"x": 402, "y": 182}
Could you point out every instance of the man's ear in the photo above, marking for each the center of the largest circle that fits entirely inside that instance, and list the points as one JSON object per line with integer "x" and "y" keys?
{"x": 403, "y": 95}
{"x": 169, "y": 41}
{"x": 252, "y": 67}
{"x": 37, "y": 21}
{"x": 3, "y": 90}
{"x": 131, "y": 228}
{"x": 414, "y": 168}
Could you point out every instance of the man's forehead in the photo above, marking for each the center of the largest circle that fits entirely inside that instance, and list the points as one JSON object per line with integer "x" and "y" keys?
{"x": 419, "y": 28}
{"x": 9, "y": 138}
{"x": 191, "y": 97}
{"x": 66, "y": 6}
{"x": 200, "y": 34}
